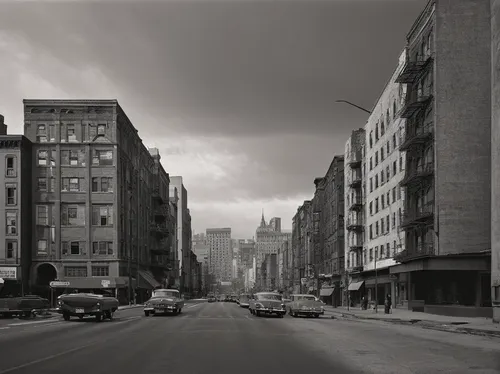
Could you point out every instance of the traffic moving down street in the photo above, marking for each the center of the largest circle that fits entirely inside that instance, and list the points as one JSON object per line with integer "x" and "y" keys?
{"x": 228, "y": 339}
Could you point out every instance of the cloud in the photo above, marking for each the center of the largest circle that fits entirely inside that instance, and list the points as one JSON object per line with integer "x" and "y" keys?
{"x": 238, "y": 96}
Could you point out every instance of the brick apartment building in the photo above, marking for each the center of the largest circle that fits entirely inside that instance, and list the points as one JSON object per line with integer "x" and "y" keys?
{"x": 96, "y": 215}
{"x": 446, "y": 218}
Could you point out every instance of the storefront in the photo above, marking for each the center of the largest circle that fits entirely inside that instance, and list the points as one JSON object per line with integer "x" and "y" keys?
{"x": 11, "y": 284}
{"x": 115, "y": 287}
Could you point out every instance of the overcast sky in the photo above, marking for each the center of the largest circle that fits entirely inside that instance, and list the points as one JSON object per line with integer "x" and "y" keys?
{"x": 239, "y": 96}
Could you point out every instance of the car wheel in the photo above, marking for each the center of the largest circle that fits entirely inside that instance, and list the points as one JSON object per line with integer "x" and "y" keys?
{"x": 180, "y": 310}
{"x": 146, "y": 313}
{"x": 109, "y": 315}
{"x": 281, "y": 315}
{"x": 258, "y": 313}
{"x": 98, "y": 317}
{"x": 316, "y": 316}
{"x": 66, "y": 317}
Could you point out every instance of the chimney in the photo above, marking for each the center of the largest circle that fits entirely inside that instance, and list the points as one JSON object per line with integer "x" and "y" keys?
{"x": 3, "y": 126}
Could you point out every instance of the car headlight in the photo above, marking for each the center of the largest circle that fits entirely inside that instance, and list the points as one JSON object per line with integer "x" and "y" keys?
{"x": 259, "y": 305}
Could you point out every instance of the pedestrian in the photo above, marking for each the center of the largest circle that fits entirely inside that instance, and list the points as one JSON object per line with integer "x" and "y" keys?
{"x": 388, "y": 304}
{"x": 363, "y": 303}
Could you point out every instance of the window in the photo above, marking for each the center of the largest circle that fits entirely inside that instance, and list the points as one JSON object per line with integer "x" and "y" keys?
{"x": 100, "y": 271}
{"x": 11, "y": 222}
{"x": 394, "y": 141}
{"x": 73, "y": 215}
{"x": 371, "y": 231}
{"x": 382, "y": 179}
{"x": 42, "y": 215}
{"x": 103, "y": 158}
{"x": 371, "y": 207}
{"x": 387, "y": 222}
{"x": 41, "y": 134}
{"x": 101, "y": 129}
{"x": 376, "y": 158}
{"x": 41, "y": 247}
{"x": 388, "y": 147}
{"x": 400, "y": 163}
{"x": 74, "y": 157}
{"x": 75, "y": 271}
{"x": 43, "y": 158}
{"x": 382, "y": 128}
{"x": 388, "y": 198}
{"x": 70, "y": 133}
{"x": 10, "y": 167}
{"x": 71, "y": 185}
{"x": 395, "y": 247}
{"x": 74, "y": 248}
{"x": 394, "y": 168}
{"x": 11, "y": 249}
{"x": 371, "y": 163}
{"x": 102, "y": 215}
{"x": 382, "y": 226}
{"x": 11, "y": 194}
{"x": 102, "y": 184}
{"x": 376, "y": 181}
{"x": 52, "y": 133}
{"x": 394, "y": 194}
{"x": 393, "y": 220}
{"x": 371, "y": 139}
{"x": 41, "y": 184}
{"x": 102, "y": 248}
{"x": 382, "y": 156}
{"x": 382, "y": 201}
{"x": 376, "y": 205}
{"x": 394, "y": 110}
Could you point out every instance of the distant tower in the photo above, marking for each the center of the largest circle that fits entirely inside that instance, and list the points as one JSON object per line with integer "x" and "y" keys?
{"x": 262, "y": 220}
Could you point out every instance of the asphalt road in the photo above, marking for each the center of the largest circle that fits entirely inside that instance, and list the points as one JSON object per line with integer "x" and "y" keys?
{"x": 222, "y": 338}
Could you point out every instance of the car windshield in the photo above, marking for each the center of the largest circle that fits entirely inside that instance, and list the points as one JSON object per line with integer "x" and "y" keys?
{"x": 268, "y": 296}
{"x": 165, "y": 294}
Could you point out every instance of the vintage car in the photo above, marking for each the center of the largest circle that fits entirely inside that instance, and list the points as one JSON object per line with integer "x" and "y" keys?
{"x": 244, "y": 300}
{"x": 25, "y": 306}
{"x": 307, "y": 305}
{"x": 164, "y": 301}
{"x": 267, "y": 303}
{"x": 83, "y": 304}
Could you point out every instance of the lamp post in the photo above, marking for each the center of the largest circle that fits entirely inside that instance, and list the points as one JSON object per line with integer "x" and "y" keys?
{"x": 354, "y": 105}
{"x": 376, "y": 285}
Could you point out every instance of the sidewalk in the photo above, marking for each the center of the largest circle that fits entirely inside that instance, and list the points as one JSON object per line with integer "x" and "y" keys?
{"x": 476, "y": 326}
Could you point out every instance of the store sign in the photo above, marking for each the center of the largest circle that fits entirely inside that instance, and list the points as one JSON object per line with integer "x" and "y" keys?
{"x": 105, "y": 283}
{"x": 8, "y": 272}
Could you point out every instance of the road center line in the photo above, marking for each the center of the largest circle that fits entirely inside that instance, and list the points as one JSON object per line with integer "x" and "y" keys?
{"x": 47, "y": 358}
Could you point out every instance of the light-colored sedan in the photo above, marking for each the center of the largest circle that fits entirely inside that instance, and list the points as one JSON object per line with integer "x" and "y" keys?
{"x": 267, "y": 303}
{"x": 308, "y": 305}
{"x": 244, "y": 300}
{"x": 164, "y": 301}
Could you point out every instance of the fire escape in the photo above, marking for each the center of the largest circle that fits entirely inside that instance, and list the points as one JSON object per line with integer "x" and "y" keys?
{"x": 159, "y": 229}
{"x": 355, "y": 224}
{"x": 418, "y": 216}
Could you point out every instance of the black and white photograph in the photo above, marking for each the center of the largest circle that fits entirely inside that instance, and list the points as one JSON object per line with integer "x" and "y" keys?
{"x": 249, "y": 186}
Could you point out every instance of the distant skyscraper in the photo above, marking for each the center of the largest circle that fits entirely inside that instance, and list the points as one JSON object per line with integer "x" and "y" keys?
{"x": 221, "y": 258}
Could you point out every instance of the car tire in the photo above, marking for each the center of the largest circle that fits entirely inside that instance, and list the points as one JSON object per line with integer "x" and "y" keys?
{"x": 180, "y": 310}
{"x": 281, "y": 315}
{"x": 146, "y": 313}
{"x": 258, "y": 313}
{"x": 98, "y": 317}
{"x": 316, "y": 316}
{"x": 109, "y": 315}
{"x": 66, "y": 316}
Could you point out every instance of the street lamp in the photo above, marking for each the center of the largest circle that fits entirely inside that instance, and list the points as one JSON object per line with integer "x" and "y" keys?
{"x": 354, "y": 105}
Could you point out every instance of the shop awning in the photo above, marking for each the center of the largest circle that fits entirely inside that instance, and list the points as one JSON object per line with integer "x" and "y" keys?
{"x": 326, "y": 291}
{"x": 355, "y": 286}
{"x": 147, "y": 280}
{"x": 91, "y": 283}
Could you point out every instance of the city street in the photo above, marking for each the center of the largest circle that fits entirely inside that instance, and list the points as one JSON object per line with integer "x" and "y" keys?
{"x": 224, "y": 338}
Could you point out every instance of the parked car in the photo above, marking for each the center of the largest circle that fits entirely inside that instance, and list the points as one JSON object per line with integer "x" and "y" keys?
{"x": 86, "y": 304}
{"x": 25, "y": 306}
{"x": 308, "y": 305}
{"x": 164, "y": 301}
{"x": 267, "y": 303}
{"x": 244, "y": 300}
{"x": 211, "y": 298}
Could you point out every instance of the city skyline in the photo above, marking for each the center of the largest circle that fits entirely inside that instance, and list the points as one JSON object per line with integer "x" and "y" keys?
{"x": 315, "y": 57}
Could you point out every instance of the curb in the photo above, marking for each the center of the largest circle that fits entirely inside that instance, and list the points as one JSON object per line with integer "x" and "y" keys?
{"x": 427, "y": 324}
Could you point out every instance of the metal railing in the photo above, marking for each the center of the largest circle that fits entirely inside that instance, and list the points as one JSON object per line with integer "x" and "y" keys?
{"x": 417, "y": 214}
{"x": 419, "y": 251}
{"x": 416, "y": 172}
{"x": 416, "y": 134}
{"x": 356, "y": 157}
